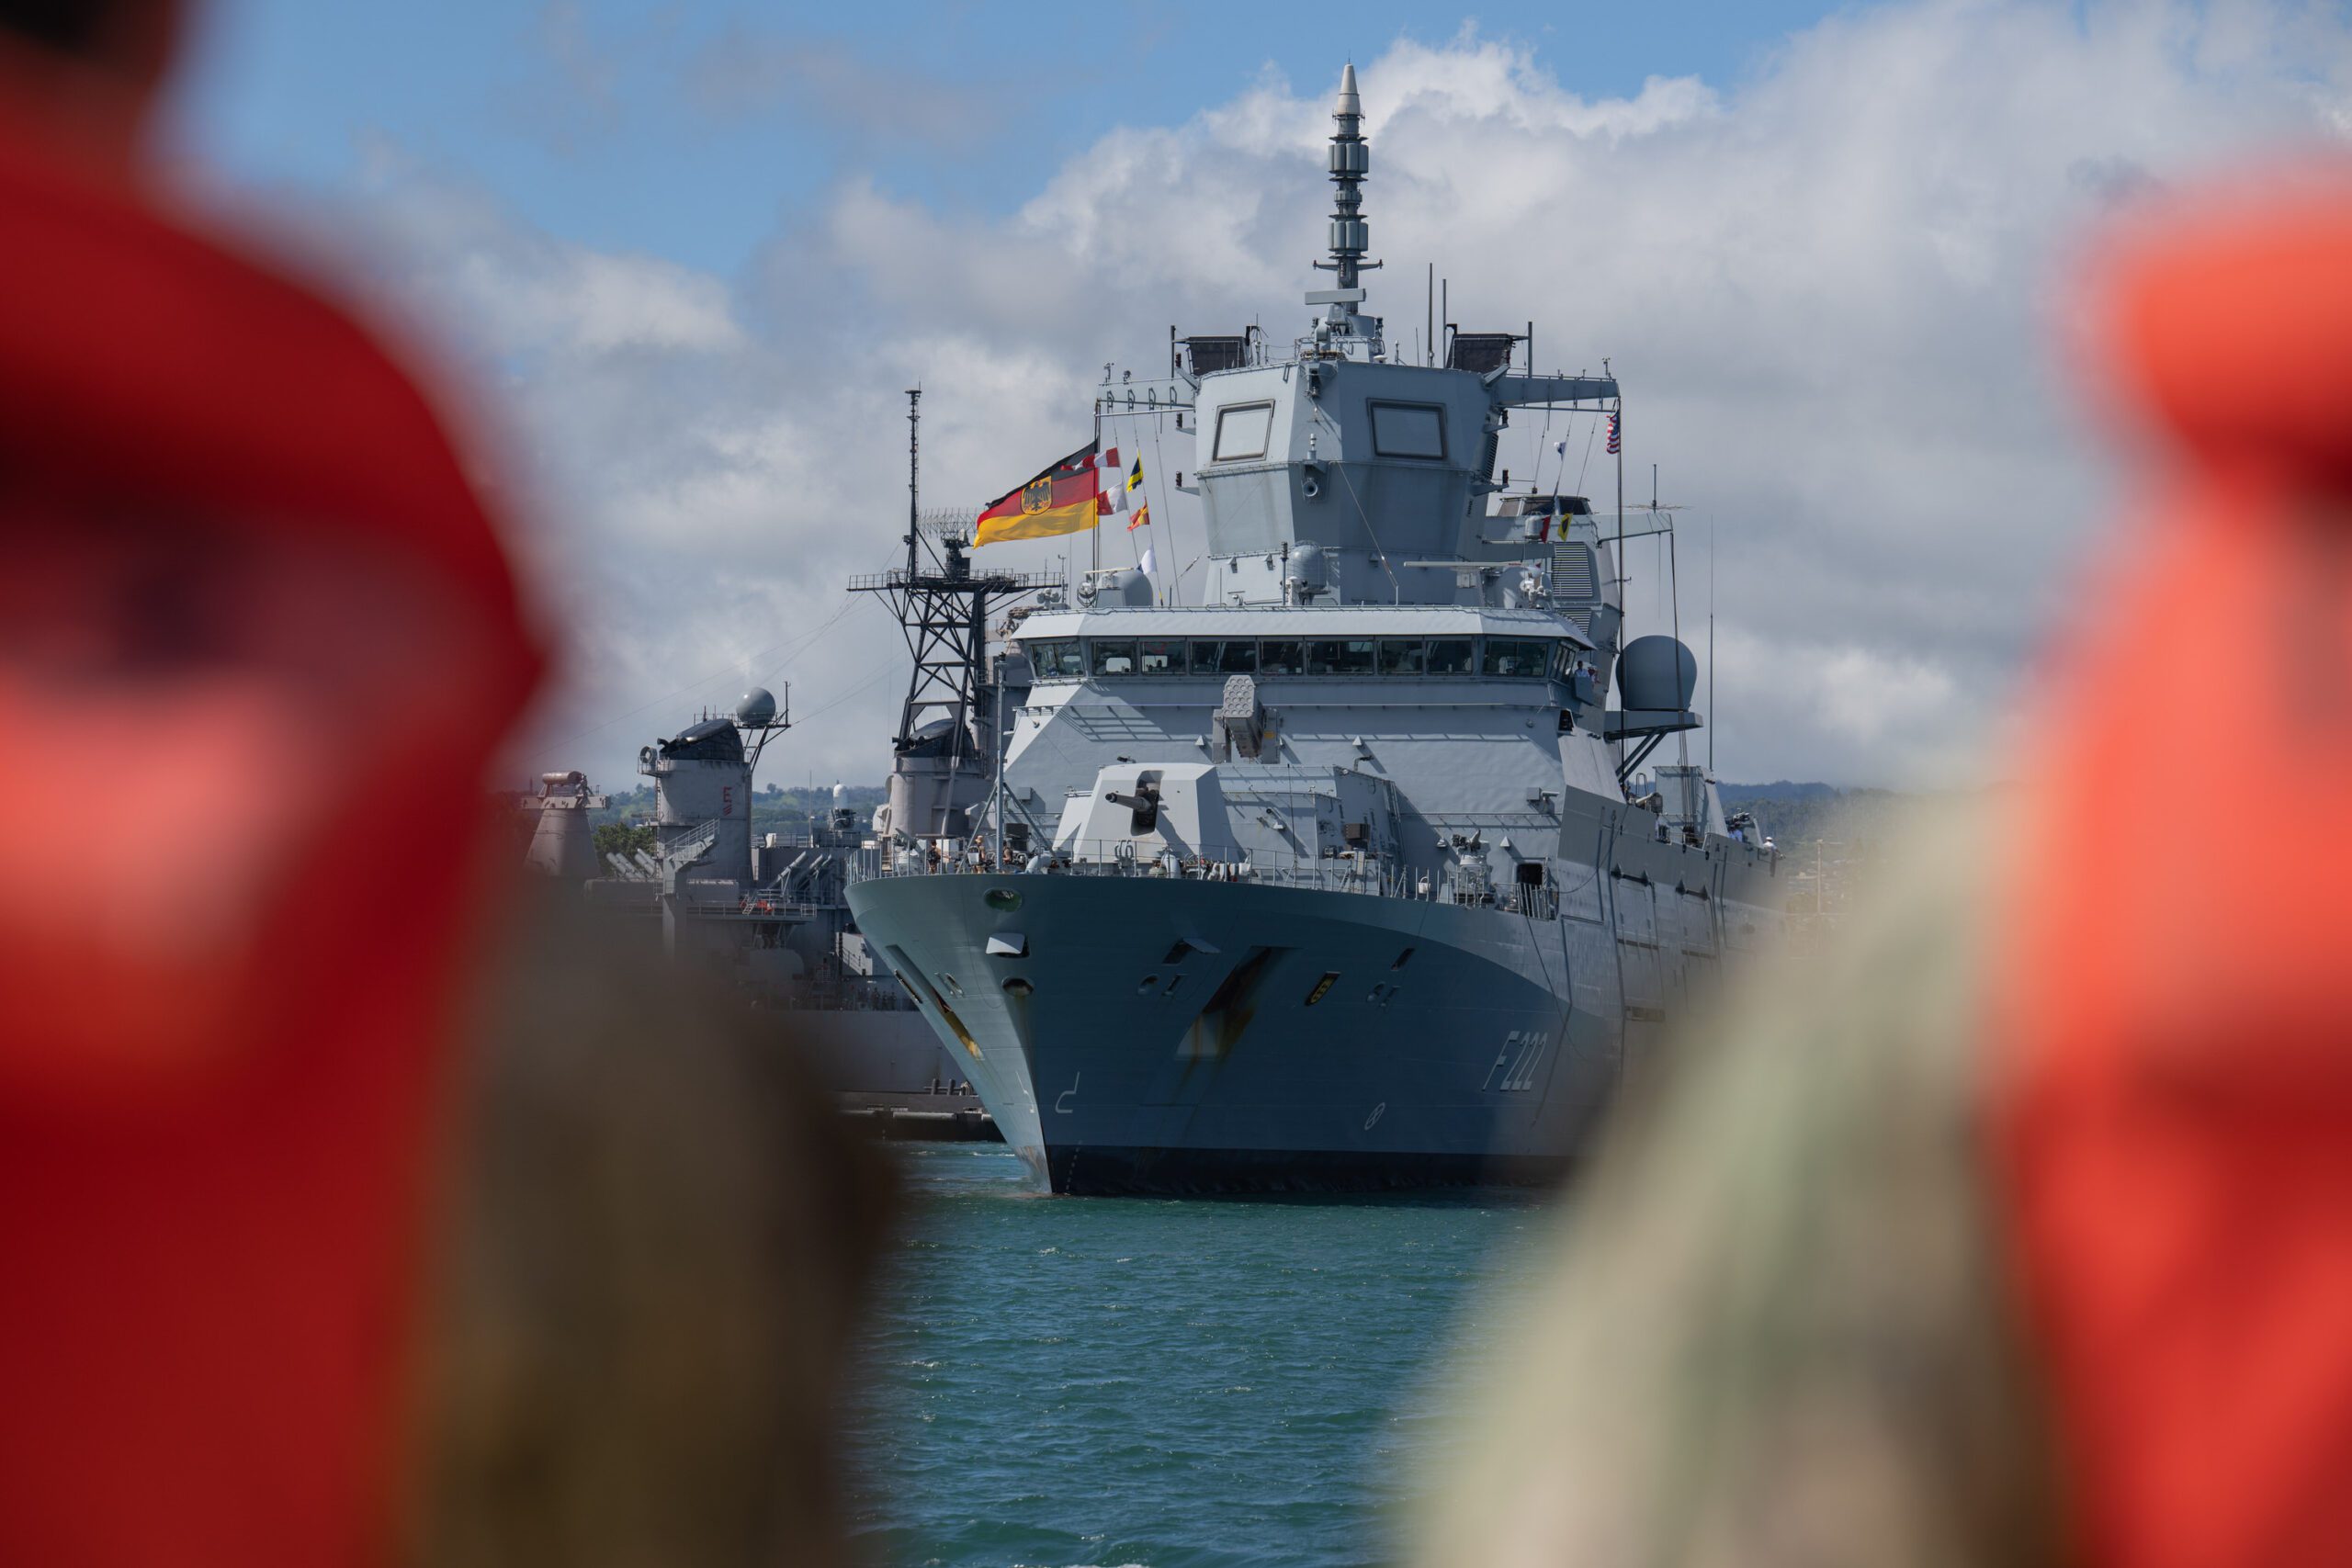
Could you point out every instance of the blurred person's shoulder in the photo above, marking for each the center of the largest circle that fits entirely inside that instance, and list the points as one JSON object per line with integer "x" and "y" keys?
{"x": 658, "y": 1233}
{"x": 1889, "y": 985}
{"x": 1778, "y": 1326}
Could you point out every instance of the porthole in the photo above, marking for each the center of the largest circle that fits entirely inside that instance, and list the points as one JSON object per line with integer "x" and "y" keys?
{"x": 1150, "y": 983}
{"x": 949, "y": 984}
{"x": 1323, "y": 986}
{"x": 1003, "y": 898}
{"x": 1017, "y": 986}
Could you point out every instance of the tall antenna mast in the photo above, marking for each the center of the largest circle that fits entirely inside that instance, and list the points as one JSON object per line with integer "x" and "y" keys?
{"x": 1350, "y": 237}
{"x": 914, "y": 470}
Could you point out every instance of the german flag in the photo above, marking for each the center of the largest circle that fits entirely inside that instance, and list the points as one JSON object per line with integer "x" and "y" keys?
{"x": 1065, "y": 499}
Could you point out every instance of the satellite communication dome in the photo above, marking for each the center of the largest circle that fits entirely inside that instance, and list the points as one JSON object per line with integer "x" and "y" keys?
{"x": 1657, "y": 673}
{"x": 757, "y": 710}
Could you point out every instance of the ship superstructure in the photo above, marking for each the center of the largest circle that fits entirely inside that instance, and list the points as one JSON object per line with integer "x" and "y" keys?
{"x": 763, "y": 915}
{"x": 1347, "y": 873}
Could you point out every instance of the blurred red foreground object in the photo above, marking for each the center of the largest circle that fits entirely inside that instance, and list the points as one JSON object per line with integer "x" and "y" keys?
{"x": 258, "y": 643}
{"x": 2174, "y": 1126}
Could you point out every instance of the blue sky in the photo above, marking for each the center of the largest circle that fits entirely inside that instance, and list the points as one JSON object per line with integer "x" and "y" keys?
{"x": 690, "y": 254}
{"x": 693, "y": 130}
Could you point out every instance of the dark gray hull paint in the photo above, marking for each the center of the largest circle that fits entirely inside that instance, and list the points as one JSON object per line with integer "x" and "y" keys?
{"x": 1503, "y": 1039}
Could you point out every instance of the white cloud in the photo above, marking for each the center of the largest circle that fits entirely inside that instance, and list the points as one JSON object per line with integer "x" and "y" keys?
{"x": 1836, "y": 293}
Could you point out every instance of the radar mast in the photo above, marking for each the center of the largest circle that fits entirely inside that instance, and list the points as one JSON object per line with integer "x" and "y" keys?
{"x": 1350, "y": 237}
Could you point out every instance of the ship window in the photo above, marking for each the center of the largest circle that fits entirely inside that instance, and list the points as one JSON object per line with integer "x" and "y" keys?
{"x": 1512, "y": 656}
{"x": 1350, "y": 657}
{"x": 1281, "y": 659}
{"x": 1242, "y": 432}
{"x": 1403, "y": 656}
{"x": 1160, "y": 656}
{"x": 1058, "y": 659}
{"x": 1323, "y": 986}
{"x": 1451, "y": 656}
{"x": 1408, "y": 430}
{"x": 1115, "y": 658}
{"x": 1239, "y": 657}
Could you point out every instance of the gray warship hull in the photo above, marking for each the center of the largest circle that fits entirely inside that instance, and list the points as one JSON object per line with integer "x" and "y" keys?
{"x": 1162, "y": 1035}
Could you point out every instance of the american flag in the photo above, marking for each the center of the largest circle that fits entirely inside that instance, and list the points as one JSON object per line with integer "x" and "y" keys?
{"x": 1614, "y": 446}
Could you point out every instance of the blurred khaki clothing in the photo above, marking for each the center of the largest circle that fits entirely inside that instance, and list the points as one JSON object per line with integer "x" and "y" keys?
{"x": 657, "y": 1246}
{"x": 1778, "y": 1329}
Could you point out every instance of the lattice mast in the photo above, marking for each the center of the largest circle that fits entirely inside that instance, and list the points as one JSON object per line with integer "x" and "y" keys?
{"x": 942, "y": 606}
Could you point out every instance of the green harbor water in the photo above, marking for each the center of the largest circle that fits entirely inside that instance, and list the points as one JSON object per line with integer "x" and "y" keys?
{"x": 1175, "y": 1384}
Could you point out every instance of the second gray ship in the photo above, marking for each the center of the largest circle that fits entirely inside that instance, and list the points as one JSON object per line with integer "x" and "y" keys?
{"x": 1345, "y": 876}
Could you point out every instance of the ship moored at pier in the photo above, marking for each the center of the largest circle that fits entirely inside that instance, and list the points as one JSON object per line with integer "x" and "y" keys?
{"x": 1356, "y": 871}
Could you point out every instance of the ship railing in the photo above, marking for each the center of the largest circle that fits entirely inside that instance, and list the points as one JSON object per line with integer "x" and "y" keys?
{"x": 1122, "y": 857}
{"x": 685, "y": 849}
{"x": 1369, "y": 875}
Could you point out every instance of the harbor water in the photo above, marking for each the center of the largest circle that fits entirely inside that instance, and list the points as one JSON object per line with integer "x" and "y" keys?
{"x": 1177, "y": 1383}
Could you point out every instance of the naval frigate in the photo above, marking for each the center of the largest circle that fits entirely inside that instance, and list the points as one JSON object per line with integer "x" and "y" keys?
{"x": 1345, "y": 875}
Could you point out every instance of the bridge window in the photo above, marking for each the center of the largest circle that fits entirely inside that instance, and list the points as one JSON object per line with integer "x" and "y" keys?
{"x": 1351, "y": 657}
{"x": 1239, "y": 657}
{"x": 1160, "y": 656}
{"x": 1404, "y": 656}
{"x": 1058, "y": 659}
{"x": 1514, "y": 658}
{"x": 1281, "y": 658}
{"x": 1453, "y": 656}
{"x": 1115, "y": 658}
{"x": 1242, "y": 432}
{"x": 1408, "y": 430}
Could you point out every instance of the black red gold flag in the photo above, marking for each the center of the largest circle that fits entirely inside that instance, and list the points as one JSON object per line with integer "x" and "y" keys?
{"x": 1063, "y": 499}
